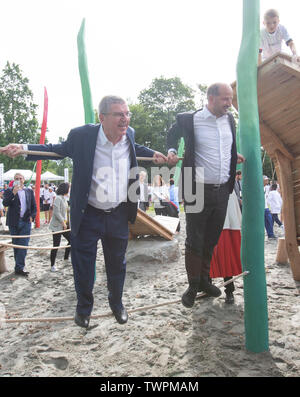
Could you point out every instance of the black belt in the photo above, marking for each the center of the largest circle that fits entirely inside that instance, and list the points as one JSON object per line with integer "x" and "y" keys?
{"x": 215, "y": 186}
{"x": 108, "y": 211}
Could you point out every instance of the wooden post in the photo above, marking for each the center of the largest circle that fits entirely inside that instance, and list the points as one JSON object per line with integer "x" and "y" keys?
{"x": 282, "y": 256}
{"x": 3, "y": 267}
{"x": 288, "y": 210}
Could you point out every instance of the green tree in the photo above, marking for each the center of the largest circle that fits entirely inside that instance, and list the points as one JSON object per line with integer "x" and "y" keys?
{"x": 58, "y": 166}
{"x": 161, "y": 102}
{"x": 18, "y": 122}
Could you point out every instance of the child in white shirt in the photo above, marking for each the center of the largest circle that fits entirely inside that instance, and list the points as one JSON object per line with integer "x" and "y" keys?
{"x": 271, "y": 37}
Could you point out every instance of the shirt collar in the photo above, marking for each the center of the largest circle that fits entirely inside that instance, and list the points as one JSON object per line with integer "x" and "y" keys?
{"x": 103, "y": 139}
{"x": 205, "y": 114}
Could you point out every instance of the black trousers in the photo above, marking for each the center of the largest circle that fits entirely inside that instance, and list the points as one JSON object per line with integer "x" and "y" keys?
{"x": 203, "y": 228}
{"x": 161, "y": 211}
{"x": 56, "y": 243}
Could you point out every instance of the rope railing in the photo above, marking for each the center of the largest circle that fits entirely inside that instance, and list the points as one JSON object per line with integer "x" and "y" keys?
{"x": 26, "y": 247}
{"x": 33, "y": 235}
{"x": 109, "y": 314}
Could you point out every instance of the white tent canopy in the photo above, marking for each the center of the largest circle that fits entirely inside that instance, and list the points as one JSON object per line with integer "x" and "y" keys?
{"x": 9, "y": 175}
{"x": 49, "y": 176}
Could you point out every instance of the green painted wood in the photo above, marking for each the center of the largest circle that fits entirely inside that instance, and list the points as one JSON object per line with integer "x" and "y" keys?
{"x": 252, "y": 249}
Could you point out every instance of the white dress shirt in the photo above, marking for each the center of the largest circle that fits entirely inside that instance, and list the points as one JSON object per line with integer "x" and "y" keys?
{"x": 22, "y": 197}
{"x": 109, "y": 184}
{"x": 213, "y": 142}
{"x": 270, "y": 43}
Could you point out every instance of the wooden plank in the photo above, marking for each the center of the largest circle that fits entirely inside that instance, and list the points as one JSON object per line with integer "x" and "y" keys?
{"x": 289, "y": 214}
{"x": 146, "y": 225}
{"x": 269, "y": 135}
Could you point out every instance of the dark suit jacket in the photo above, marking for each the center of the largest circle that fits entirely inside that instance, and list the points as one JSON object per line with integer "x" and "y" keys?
{"x": 184, "y": 127}
{"x": 14, "y": 206}
{"x": 146, "y": 199}
{"x": 80, "y": 146}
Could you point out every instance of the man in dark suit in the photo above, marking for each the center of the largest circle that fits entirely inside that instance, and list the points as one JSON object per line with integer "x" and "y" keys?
{"x": 103, "y": 199}
{"x": 20, "y": 215}
{"x": 208, "y": 175}
{"x": 238, "y": 187}
{"x": 143, "y": 197}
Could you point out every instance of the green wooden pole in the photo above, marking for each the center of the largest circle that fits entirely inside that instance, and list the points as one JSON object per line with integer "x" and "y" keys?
{"x": 89, "y": 115}
{"x": 180, "y": 152}
{"x": 252, "y": 249}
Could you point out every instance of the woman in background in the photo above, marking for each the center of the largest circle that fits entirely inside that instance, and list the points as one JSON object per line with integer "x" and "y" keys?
{"x": 160, "y": 192}
{"x": 226, "y": 259}
{"x": 59, "y": 222}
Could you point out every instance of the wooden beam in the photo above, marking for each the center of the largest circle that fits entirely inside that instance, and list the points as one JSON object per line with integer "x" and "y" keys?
{"x": 268, "y": 136}
{"x": 288, "y": 209}
{"x": 146, "y": 225}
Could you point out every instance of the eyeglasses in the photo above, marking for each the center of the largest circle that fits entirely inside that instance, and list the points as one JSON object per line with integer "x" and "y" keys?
{"x": 120, "y": 115}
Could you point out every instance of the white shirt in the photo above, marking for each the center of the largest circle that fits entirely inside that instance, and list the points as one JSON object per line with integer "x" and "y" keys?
{"x": 159, "y": 193}
{"x": 213, "y": 142}
{"x": 142, "y": 192}
{"x": 109, "y": 184}
{"x": 52, "y": 197}
{"x": 274, "y": 202}
{"x": 266, "y": 191}
{"x": 270, "y": 43}
{"x": 46, "y": 194}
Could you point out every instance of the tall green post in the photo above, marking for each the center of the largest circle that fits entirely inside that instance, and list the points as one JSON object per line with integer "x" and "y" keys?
{"x": 180, "y": 152}
{"x": 252, "y": 249}
{"x": 89, "y": 115}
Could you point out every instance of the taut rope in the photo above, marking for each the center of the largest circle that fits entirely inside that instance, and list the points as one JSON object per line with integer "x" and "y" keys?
{"x": 96, "y": 316}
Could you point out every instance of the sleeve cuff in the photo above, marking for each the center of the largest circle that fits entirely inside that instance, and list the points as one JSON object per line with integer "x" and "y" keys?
{"x": 172, "y": 150}
{"x": 25, "y": 147}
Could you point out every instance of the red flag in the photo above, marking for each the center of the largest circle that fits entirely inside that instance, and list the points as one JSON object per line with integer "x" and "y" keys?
{"x": 39, "y": 162}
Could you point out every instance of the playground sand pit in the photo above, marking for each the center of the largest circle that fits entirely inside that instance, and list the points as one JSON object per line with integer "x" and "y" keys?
{"x": 168, "y": 341}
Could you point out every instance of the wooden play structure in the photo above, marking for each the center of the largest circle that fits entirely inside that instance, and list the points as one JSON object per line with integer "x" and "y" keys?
{"x": 162, "y": 226}
{"x": 278, "y": 89}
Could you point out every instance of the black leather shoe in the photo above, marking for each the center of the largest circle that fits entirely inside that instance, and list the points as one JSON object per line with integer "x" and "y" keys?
{"x": 121, "y": 315}
{"x": 82, "y": 321}
{"x": 22, "y": 273}
{"x": 229, "y": 298}
{"x": 189, "y": 296}
{"x": 209, "y": 288}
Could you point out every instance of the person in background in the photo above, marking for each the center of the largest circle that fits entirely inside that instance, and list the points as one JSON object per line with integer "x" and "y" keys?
{"x": 238, "y": 187}
{"x": 52, "y": 198}
{"x": 274, "y": 201}
{"x": 143, "y": 198}
{"x": 159, "y": 192}
{"x": 173, "y": 193}
{"x": 1, "y": 203}
{"x": 272, "y": 36}
{"x": 268, "y": 216}
{"x": 59, "y": 222}
{"x": 226, "y": 259}
{"x": 20, "y": 215}
{"x": 46, "y": 202}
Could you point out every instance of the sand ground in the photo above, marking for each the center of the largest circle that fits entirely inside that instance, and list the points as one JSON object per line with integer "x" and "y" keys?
{"x": 205, "y": 341}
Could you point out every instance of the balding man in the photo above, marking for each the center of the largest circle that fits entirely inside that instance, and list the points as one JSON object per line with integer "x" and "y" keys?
{"x": 208, "y": 175}
{"x": 20, "y": 215}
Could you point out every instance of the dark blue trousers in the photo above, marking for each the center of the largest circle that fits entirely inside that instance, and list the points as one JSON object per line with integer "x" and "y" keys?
{"x": 112, "y": 230}
{"x": 269, "y": 223}
{"x": 23, "y": 229}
